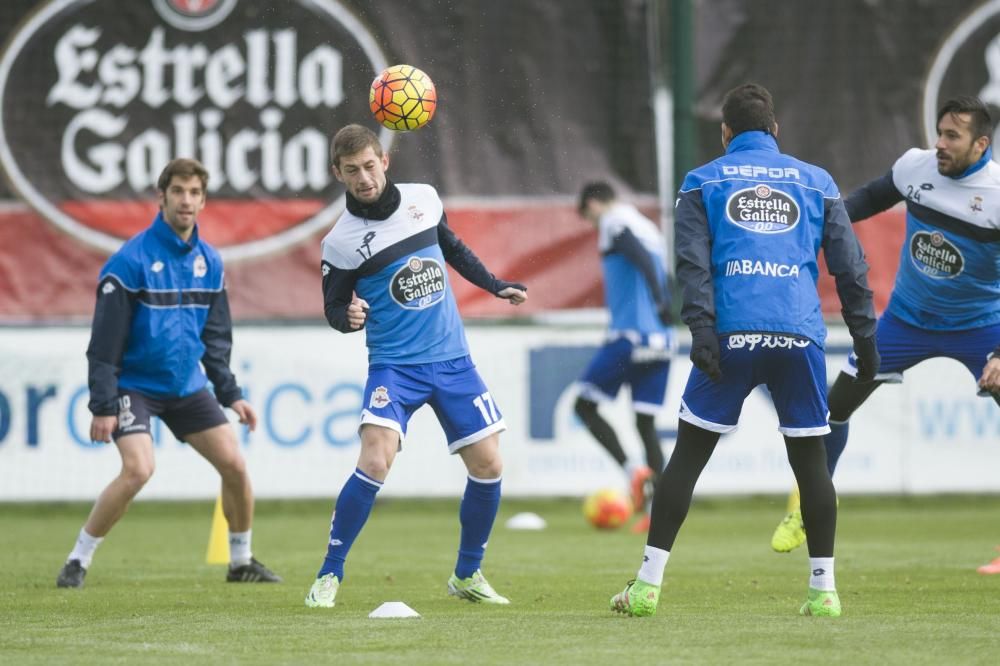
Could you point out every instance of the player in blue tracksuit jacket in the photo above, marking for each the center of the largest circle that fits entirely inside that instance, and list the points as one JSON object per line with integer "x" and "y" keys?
{"x": 946, "y": 299}
{"x": 384, "y": 270}
{"x": 749, "y": 226}
{"x": 161, "y": 315}
{"x": 640, "y": 339}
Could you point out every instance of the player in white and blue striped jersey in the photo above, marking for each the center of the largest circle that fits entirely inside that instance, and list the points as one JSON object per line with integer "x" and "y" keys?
{"x": 384, "y": 271}
{"x": 946, "y": 300}
{"x": 640, "y": 340}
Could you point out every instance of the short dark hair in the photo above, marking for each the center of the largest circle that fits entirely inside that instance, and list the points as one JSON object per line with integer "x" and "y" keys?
{"x": 597, "y": 191}
{"x": 185, "y": 168}
{"x": 748, "y": 107}
{"x": 980, "y": 122}
{"x": 351, "y": 140}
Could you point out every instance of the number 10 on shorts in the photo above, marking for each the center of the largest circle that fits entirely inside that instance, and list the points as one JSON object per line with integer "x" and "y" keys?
{"x": 486, "y": 407}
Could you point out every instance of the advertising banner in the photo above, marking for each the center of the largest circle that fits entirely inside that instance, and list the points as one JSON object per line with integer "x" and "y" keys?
{"x": 931, "y": 434}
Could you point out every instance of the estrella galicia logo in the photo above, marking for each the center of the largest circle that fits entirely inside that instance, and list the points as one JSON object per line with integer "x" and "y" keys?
{"x": 763, "y": 209}
{"x": 96, "y": 96}
{"x": 418, "y": 284}
{"x": 935, "y": 256}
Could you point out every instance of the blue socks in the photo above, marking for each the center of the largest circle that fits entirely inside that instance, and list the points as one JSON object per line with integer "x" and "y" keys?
{"x": 835, "y": 443}
{"x": 351, "y": 512}
{"x": 476, "y": 514}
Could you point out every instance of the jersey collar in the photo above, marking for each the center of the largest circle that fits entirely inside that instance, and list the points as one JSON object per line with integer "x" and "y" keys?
{"x": 381, "y": 208}
{"x": 169, "y": 238}
{"x": 752, "y": 140}
{"x": 976, "y": 166}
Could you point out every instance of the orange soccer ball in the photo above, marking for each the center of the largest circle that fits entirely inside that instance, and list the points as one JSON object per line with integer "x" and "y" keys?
{"x": 403, "y": 98}
{"x": 607, "y": 509}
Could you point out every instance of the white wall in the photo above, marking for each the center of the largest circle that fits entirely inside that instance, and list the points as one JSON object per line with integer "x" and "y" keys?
{"x": 931, "y": 434}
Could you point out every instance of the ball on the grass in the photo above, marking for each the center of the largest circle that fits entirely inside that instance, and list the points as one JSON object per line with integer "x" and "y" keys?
{"x": 607, "y": 509}
{"x": 403, "y": 98}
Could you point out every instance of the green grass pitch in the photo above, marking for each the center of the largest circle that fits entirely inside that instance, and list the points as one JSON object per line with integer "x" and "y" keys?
{"x": 905, "y": 571}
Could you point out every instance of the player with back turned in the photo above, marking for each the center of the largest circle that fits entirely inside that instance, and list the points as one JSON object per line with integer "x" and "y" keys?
{"x": 384, "y": 271}
{"x": 946, "y": 299}
{"x": 749, "y": 226}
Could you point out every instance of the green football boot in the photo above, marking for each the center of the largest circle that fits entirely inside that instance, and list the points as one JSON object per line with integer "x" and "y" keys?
{"x": 821, "y": 604}
{"x": 475, "y": 588}
{"x": 638, "y": 599}
{"x": 323, "y": 593}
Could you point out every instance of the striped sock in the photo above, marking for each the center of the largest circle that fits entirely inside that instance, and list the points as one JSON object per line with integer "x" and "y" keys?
{"x": 476, "y": 514}
{"x": 354, "y": 504}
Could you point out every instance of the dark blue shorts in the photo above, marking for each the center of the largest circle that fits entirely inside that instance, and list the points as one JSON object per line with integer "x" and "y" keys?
{"x": 454, "y": 390}
{"x": 620, "y": 362}
{"x": 793, "y": 370}
{"x": 902, "y": 346}
{"x": 183, "y": 416}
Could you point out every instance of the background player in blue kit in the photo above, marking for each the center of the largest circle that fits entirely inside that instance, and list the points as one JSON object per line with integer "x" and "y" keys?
{"x": 749, "y": 226}
{"x": 640, "y": 340}
{"x": 384, "y": 270}
{"x": 946, "y": 299}
{"x": 162, "y": 315}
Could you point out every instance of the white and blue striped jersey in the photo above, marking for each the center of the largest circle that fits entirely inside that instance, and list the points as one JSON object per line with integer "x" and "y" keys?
{"x": 631, "y": 296}
{"x": 949, "y": 268}
{"x": 397, "y": 266}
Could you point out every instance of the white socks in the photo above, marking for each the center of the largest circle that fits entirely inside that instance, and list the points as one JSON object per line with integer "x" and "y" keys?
{"x": 654, "y": 560}
{"x": 239, "y": 548}
{"x": 821, "y": 574}
{"x": 84, "y": 548}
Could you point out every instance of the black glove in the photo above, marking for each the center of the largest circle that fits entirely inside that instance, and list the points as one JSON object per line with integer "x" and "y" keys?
{"x": 705, "y": 352}
{"x": 500, "y": 285}
{"x": 665, "y": 315}
{"x": 868, "y": 359}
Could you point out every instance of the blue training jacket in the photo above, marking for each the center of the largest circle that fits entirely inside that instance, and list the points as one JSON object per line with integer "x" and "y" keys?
{"x": 162, "y": 313}
{"x": 749, "y": 226}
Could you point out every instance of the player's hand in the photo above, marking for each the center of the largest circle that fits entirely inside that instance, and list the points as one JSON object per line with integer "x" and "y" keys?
{"x": 357, "y": 313}
{"x": 515, "y": 295}
{"x": 867, "y": 358}
{"x": 705, "y": 353}
{"x": 990, "y": 381}
{"x": 248, "y": 416}
{"x": 101, "y": 428}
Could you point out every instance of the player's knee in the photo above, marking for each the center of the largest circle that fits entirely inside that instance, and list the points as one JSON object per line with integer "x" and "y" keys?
{"x": 232, "y": 466}
{"x": 136, "y": 473}
{"x": 489, "y": 468}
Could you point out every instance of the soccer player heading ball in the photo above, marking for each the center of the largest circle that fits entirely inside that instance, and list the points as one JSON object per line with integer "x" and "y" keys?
{"x": 384, "y": 271}
{"x": 748, "y": 226}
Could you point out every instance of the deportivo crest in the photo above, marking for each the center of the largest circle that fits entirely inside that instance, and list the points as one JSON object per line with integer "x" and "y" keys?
{"x": 96, "y": 96}
{"x": 380, "y": 398}
{"x": 200, "y": 266}
{"x": 418, "y": 284}
{"x": 763, "y": 209}
{"x": 414, "y": 212}
{"x": 935, "y": 256}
